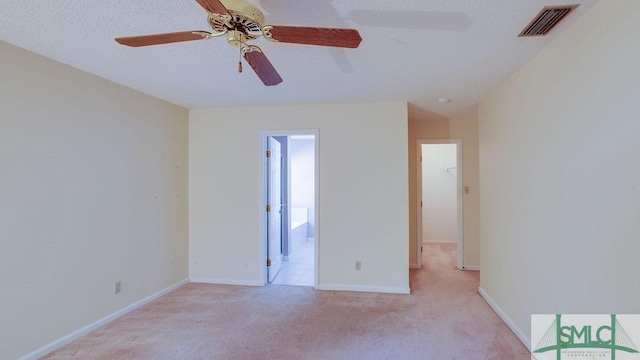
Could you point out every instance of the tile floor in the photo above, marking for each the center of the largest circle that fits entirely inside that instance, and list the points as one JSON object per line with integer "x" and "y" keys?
{"x": 298, "y": 270}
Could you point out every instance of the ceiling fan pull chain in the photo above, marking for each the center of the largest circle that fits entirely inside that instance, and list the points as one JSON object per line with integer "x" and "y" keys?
{"x": 240, "y": 62}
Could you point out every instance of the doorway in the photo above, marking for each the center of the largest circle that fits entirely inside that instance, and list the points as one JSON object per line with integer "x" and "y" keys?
{"x": 440, "y": 207}
{"x": 290, "y": 173}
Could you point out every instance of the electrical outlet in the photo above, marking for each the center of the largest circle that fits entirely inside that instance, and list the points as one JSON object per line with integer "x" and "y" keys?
{"x": 358, "y": 265}
{"x": 117, "y": 287}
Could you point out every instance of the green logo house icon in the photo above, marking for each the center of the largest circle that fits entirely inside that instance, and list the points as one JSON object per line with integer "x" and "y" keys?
{"x": 605, "y": 337}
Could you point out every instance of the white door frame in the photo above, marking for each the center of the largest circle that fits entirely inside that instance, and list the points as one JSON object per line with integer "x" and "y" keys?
{"x": 459, "y": 195}
{"x": 262, "y": 173}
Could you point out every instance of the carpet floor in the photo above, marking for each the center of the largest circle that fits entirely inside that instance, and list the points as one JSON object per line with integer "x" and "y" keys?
{"x": 444, "y": 318}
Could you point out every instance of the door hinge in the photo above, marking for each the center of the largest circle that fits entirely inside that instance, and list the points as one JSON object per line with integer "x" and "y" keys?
{"x": 268, "y": 262}
{"x": 268, "y": 208}
{"x": 421, "y": 248}
{"x": 420, "y": 203}
{"x": 268, "y": 153}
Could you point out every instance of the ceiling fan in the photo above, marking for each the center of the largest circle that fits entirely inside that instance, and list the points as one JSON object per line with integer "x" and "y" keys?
{"x": 240, "y": 22}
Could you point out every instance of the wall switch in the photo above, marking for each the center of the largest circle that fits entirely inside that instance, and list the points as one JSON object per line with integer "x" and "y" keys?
{"x": 117, "y": 287}
{"x": 358, "y": 265}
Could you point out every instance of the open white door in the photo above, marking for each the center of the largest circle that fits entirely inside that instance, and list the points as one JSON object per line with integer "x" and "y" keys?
{"x": 274, "y": 208}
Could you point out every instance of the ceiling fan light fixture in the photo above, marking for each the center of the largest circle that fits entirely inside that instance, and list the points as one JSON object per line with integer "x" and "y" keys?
{"x": 236, "y": 38}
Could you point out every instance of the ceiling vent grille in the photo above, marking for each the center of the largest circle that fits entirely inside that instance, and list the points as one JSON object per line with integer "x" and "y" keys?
{"x": 547, "y": 19}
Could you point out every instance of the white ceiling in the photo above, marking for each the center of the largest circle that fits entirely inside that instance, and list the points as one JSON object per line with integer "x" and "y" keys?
{"x": 412, "y": 50}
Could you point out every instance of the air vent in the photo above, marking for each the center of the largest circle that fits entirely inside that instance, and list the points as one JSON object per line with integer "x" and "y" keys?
{"x": 547, "y": 19}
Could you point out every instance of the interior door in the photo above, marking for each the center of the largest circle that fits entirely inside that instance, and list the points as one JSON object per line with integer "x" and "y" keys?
{"x": 274, "y": 208}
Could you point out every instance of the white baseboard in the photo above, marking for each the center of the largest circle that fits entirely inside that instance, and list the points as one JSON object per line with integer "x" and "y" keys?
{"x": 414, "y": 266}
{"x": 226, "y": 282}
{"x": 471, "y": 267}
{"x": 425, "y": 242}
{"x": 47, "y": 349}
{"x": 516, "y": 330}
{"x": 359, "y": 288}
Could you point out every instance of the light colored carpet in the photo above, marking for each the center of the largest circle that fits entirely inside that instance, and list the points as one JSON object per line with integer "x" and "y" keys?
{"x": 443, "y": 319}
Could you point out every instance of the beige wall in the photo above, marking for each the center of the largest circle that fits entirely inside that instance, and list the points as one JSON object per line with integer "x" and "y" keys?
{"x": 362, "y": 193}
{"x": 93, "y": 189}
{"x": 457, "y": 128}
{"x": 560, "y": 174}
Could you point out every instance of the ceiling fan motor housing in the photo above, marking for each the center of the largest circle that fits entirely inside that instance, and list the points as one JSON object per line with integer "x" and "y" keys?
{"x": 245, "y": 18}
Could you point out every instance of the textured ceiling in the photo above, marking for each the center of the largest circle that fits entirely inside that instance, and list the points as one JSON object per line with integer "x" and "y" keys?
{"x": 412, "y": 50}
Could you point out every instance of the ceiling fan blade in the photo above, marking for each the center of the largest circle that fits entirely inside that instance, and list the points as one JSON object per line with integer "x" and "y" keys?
{"x": 263, "y": 68}
{"x": 347, "y": 38}
{"x": 166, "y": 38}
{"x": 213, "y": 6}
